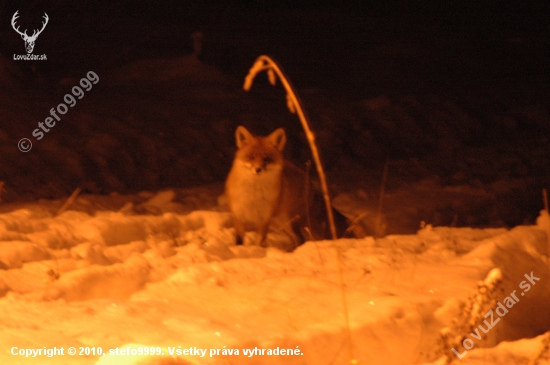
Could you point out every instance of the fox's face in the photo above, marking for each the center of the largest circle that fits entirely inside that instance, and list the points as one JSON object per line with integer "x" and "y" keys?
{"x": 260, "y": 154}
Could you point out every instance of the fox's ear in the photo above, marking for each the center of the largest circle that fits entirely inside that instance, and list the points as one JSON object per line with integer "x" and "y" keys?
{"x": 242, "y": 136}
{"x": 278, "y": 139}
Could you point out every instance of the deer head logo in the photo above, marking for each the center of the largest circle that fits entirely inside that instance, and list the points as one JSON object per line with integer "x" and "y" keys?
{"x": 29, "y": 41}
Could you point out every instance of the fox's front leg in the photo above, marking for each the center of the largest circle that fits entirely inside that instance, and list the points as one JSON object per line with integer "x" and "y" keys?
{"x": 263, "y": 228}
{"x": 239, "y": 231}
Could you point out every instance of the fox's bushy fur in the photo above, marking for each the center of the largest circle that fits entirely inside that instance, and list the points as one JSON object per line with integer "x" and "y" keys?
{"x": 262, "y": 188}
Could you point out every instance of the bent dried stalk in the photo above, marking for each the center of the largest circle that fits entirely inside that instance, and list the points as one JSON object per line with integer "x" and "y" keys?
{"x": 265, "y": 63}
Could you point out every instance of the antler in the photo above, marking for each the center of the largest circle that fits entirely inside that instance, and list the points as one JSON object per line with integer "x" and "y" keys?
{"x": 36, "y": 33}
{"x": 15, "y": 16}
{"x": 43, "y": 26}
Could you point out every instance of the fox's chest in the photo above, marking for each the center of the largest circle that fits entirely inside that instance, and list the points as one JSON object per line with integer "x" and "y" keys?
{"x": 254, "y": 196}
{"x": 264, "y": 187}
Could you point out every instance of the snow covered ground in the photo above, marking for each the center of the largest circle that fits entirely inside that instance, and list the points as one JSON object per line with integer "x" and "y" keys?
{"x": 172, "y": 287}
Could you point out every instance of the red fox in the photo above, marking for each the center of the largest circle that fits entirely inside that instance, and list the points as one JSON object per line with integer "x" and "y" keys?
{"x": 262, "y": 187}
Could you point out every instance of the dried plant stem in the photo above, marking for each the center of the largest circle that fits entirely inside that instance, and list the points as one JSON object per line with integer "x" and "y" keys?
{"x": 378, "y": 229}
{"x": 265, "y": 63}
{"x": 306, "y": 188}
{"x": 69, "y": 201}
{"x": 545, "y": 202}
{"x": 2, "y": 190}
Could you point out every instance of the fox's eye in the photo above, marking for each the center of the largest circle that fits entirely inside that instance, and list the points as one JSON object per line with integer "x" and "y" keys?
{"x": 268, "y": 159}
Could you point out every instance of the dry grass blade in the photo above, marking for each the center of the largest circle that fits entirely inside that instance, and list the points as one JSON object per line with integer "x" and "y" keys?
{"x": 545, "y": 202}
{"x": 379, "y": 231}
{"x": 265, "y": 63}
{"x": 69, "y": 201}
{"x": 295, "y": 106}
